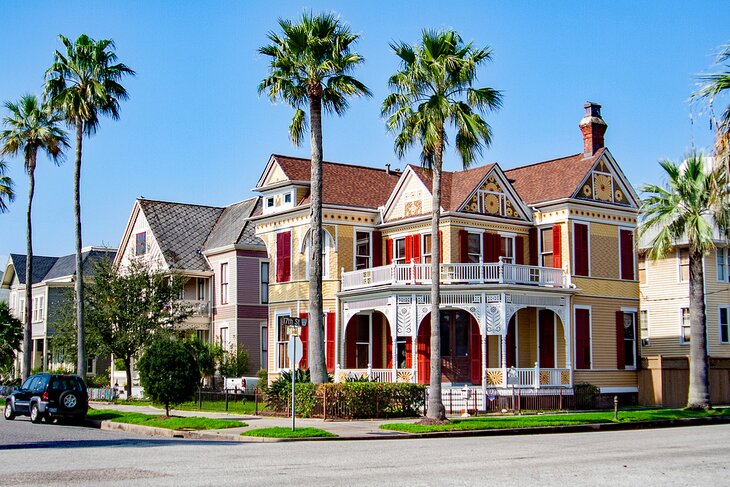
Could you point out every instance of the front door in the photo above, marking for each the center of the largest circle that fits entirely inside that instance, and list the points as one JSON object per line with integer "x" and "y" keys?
{"x": 455, "y": 346}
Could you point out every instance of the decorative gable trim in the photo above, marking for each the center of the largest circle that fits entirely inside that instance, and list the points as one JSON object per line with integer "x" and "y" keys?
{"x": 493, "y": 184}
{"x": 408, "y": 175}
{"x": 271, "y": 167}
{"x": 606, "y": 183}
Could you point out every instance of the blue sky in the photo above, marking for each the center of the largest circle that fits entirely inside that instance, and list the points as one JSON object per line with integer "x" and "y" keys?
{"x": 195, "y": 130}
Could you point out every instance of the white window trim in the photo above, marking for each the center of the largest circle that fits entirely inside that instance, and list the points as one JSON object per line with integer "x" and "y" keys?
{"x": 513, "y": 236}
{"x": 395, "y": 247}
{"x": 682, "y": 341}
{"x": 590, "y": 333}
{"x": 264, "y": 261}
{"x": 678, "y": 258}
{"x": 633, "y": 251}
{"x": 647, "y": 260}
{"x": 648, "y": 327}
{"x": 481, "y": 243}
{"x": 277, "y": 314}
{"x": 422, "y": 237}
{"x": 354, "y": 245}
{"x": 539, "y": 243}
{"x": 726, "y": 254}
{"x": 263, "y": 354}
{"x": 228, "y": 282}
{"x": 719, "y": 324}
{"x": 635, "y": 312}
{"x": 588, "y": 224}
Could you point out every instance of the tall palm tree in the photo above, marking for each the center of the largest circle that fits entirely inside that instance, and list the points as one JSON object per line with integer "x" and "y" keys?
{"x": 713, "y": 85}
{"x": 31, "y": 127}
{"x": 311, "y": 65}
{"x": 7, "y": 195}
{"x": 692, "y": 205}
{"x": 83, "y": 84}
{"x": 435, "y": 87}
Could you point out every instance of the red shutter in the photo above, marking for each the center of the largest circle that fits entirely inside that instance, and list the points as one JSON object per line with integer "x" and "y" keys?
{"x": 582, "y": 339}
{"x": 409, "y": 352}
{"x": 580, "y": 250}
{"x": 533, "y": 247}
{"x": 463, "y": 246}
{"x": 627, "y": 254}
{"x": 476, "y": 353}
{"x": 283, "y": 256}
{"x": 330, "y": 342}
{"x": 417, "y": 248}
{"x": 304, "y": 335}
{"x": 377, "y": 248}
{"x": 620, "y": 346}
{"x": 424, "y": 352}
{"x": 546, "y": 320}
{"x": 519, "y": 250}
{"x": 388, "y": 348}
{"x": 409, "y": 248}
{"x": 441, "y": 246}
{"x": 350, "y": 339}
{"x": 511, "y": 343}
{"x": 388, "y": 251}
{"x": 491, "y": 247}
{"x": 557, "y": 249}
{"x": 377, "y": 341}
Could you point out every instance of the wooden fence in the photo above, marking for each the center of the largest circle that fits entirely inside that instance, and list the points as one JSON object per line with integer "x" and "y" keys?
{"x": 664, "y": 381}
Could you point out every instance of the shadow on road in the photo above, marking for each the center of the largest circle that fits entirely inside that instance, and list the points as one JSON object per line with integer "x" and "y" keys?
{"x": 112, "y": 443}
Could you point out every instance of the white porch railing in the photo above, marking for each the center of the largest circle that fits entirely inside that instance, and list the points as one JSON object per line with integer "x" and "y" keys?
{"x": 492, "y": 272}
{"x": 375, "y": 375}
{"x": 198, "y": 307}
{"x": 529, "y": 377}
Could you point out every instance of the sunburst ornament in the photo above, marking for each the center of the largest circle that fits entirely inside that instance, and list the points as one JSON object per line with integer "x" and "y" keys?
{"x": 603, "y": 187}
{"x": 491, "y": 204}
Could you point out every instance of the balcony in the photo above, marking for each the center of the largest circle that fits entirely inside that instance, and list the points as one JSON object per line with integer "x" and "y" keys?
{"x": 198, "y": 307}
{"x": 481, "y": 273}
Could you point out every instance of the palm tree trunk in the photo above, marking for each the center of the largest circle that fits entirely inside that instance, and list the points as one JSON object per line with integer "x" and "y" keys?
{"x": 79, "y": 284}
{"x": 699, "y": 388}
{"x": 27, "y": 324}
{"x": 436, "y": 409}
{"x": 317, "y": 366}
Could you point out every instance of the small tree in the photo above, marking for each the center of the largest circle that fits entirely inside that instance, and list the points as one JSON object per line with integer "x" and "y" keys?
{"x": 168, "y": 372}
{"x": 205, "y": 355}
{"x": 11, "y": 334}
{"x": 234, "y": 363}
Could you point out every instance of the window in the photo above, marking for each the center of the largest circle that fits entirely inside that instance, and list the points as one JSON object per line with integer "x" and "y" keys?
{"x": 684, "y": 330}
{"x": 200, "y": 293}
{"x": 507, "y": 249}
{"x": 283, "y": 256}
{"x": 282, "y": 342}
{"x": 140, "y": 244}
{"x": 90, "y": 365}
{"x": 399, "y": 251}
{"x": 722, "y": 265}
{"x": 626, "y": 254}
{"x": 223, "y": 337}
{"x": 426, "y": 257}
{"x": 580, "y": 249}
{"x": 264, "y": 282}
{"x": 264, "y": 347}
{"x": 224, "y": 283}
{"x": 642, "y": 269}
{"x": 362, "y": 342}
{"x": 287, "y": 198}
{"x": 546, "y": 247}
{"x": 644, "y": 327}
{"x": 362, "y": 250}
{"x": 630, "y": 339}
{"x": 326, "y": 244}
{"x": 21, "y": 314}
{"x": 402, "y": 350}
{"x": 582, "y": 338}
{"x": 683, "y": 265}
{"x": 38, "y": 308}
{"x": 474, "y": 246}
{"x": 270, "y": 202}
{"x": 724, "y": 324}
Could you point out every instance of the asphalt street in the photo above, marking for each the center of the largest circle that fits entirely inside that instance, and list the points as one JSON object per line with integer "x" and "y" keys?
{"x": 66, "y": 455}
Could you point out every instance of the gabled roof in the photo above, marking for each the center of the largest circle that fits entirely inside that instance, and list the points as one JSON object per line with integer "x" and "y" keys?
{"x": 180, "y": 230}
{"x": 47, "y": 268}
{"x": 233, "y": 226}
{"x": 551, "y": 180}
{"x": 365, "y": 187}
{"x": 455, "y": 186}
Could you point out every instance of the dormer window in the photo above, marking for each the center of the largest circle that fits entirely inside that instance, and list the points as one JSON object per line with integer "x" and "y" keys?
{"x": 270, "y": 202}
{"x": 140, "y": 244}
{"x": 287, "y": 198}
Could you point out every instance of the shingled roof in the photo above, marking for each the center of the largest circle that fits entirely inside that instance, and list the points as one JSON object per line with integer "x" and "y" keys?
{"x": 233, "y": 226}
{"x": 455, "y": 186}
{"x": 366, "y": 187}
{"x": 181, "y": 230}
{"x": 46, "y": 268}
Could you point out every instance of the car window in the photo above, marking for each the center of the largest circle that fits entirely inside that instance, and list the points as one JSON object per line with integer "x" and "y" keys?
{"x": 66, "y": 384}
{"x": 27, "y": 383}
{"x": 40, "y": 384}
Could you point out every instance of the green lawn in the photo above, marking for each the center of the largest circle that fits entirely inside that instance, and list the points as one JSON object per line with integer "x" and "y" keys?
{"x": 160, "y": 421}
{"x": 281, "y": 432}
{"x": 501, "y": 422}
{"x": 245, "y": 407}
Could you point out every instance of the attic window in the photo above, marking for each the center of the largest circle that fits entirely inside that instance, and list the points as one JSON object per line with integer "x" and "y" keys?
{"x": 287, "y": 198}
{"x": 270, "y": 202}
{"x": 140, "y": 243}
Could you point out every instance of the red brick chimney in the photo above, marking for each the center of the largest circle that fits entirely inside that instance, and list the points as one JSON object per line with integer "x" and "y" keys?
{"x": 593, "y": 128}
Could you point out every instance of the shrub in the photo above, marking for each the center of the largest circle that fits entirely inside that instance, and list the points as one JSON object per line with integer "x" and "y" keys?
{"x": 278, "y": 394}
{"x": 585, "y": 395}
{"x": 373, "y": 399}
{"x": 168, "y": 372}
{"x": 234, "y": 363}
{"x": 263, "y": 376}
{"x": 97, "y": 381}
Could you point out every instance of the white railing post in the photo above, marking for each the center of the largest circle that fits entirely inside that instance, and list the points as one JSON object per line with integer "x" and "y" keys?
{"x": 504, "y": 376}
{"x": 501, "y": 270}
{"x": 537, "y": 376}
{"x": 481, "y": 270}
{"x": 413, "y": 271}
{"x": 337, "y": 372}
{"x": 370, "y": 372}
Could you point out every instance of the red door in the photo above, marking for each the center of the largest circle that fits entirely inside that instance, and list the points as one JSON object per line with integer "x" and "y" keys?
{"x": 547, "y": 338}
{"x": 455, "y": 339}
{"x": 424, "y": 351}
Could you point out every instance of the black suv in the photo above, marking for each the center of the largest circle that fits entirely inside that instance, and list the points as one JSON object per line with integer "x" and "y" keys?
{"x": 49, "y": 396}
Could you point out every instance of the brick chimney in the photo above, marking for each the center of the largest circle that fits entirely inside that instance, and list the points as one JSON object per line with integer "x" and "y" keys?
{"x": 593, "y": 128}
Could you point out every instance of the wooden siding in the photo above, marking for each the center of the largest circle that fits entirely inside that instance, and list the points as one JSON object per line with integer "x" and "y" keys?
{"x": 604, "y": 250}
{"x": 603, "y": 329}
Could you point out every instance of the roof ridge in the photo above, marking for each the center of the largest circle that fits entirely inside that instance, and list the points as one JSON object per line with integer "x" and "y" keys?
{"x": 543, "y": 162}
{"x": 393, "y": 171}
{"x": 180, "y": 203}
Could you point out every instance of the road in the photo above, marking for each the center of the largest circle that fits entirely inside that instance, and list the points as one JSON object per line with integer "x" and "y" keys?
{"x": 77, "y": 456}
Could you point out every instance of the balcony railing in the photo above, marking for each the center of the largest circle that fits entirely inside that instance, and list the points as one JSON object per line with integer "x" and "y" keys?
{"x": 198, "y": 307}
{"x": 481, "y": 273}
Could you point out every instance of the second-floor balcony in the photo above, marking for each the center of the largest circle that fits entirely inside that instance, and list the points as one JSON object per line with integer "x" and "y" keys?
{"x": 479, "y": 273}
{"x": 198, "y": 307}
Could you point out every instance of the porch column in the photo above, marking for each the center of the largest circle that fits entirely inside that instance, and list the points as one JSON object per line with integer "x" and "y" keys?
{"x": 503, "y": 358}
{"x": 44, "y": 360}
{"x": 394, "y": 351}
{"x": 484, "y": 370}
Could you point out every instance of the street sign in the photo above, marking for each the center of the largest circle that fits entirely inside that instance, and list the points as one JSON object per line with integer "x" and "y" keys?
{"x": 295, "y": 350}
{"x": 291, "y": 321}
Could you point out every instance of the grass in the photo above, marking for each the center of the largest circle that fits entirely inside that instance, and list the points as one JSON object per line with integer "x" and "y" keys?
{"x": 281, "y": 432}
{"x": 240, "y": 407}
{"x": 173, "y": 422}
{"x": 500, "y": 422}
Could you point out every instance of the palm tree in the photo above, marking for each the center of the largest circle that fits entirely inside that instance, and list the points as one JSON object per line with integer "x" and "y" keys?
{"x": 7, "y": 195}
{"x": 692, "y": 205}
{"x": 713, "y": 85}
{"x": 311, "y": 64}
{"x": 83, "y": 84}
{"x": 433, "y": 88}
{"x": 30, "y": 127}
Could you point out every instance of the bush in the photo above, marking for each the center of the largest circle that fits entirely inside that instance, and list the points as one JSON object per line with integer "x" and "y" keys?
{"x": 263, "y": 376}
{"x": 234, "y": 363}
{"x": 168, "y": 372}
{"x": 278, "y": 394}
{"x": 373, "y": 399}
{"x": 585, "y": 395}
{"x": 97, "y": 381}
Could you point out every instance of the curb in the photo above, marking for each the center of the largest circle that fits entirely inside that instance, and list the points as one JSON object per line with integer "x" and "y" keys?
{"x": 582, "y": 428}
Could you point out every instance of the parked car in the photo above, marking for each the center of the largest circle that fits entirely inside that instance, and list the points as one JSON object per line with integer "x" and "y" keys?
{"x": 48, "y": 396}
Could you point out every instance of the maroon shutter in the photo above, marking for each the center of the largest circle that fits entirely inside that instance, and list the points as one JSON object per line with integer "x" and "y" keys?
{"x": 377, "y": 248}
{"x": 580, "y": 250}
{"x": 533, "y": 247}
{"x": 304, "y": 335}
{"x": 283, "y": 256}
{"x": 350, "y": 344}
{"x": 491, "y": 247}
{"x": 557, "y": 257}
{"x": 627, "y": 254}
{"x": 377, "y": 342}
{"x": 519, "y": 250}
{"x": 388, "y": 348}
{"x": 409, "y": 352}
{"x": 475, "y": 353}
{"x": 416, "y": 248}
{"x": 620, "y": 345}
{"x": 463, "y": 246}
{"x": 441, "y": 247}
{"x": 582, "y": 339}
{"x": 409, "y": 248}
{"x": 424, "y": 352}
{"x": 511, "y": 343}
{"x": 330, "y": 342}
{"x": 546, "y": 320}
{"x": 388, "y": 251}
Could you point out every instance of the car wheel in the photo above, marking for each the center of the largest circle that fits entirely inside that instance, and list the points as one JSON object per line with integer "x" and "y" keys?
{"x": 35, "y": 414}
{"x": 68, "y": 400}
{"x": 9, "y": 414}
